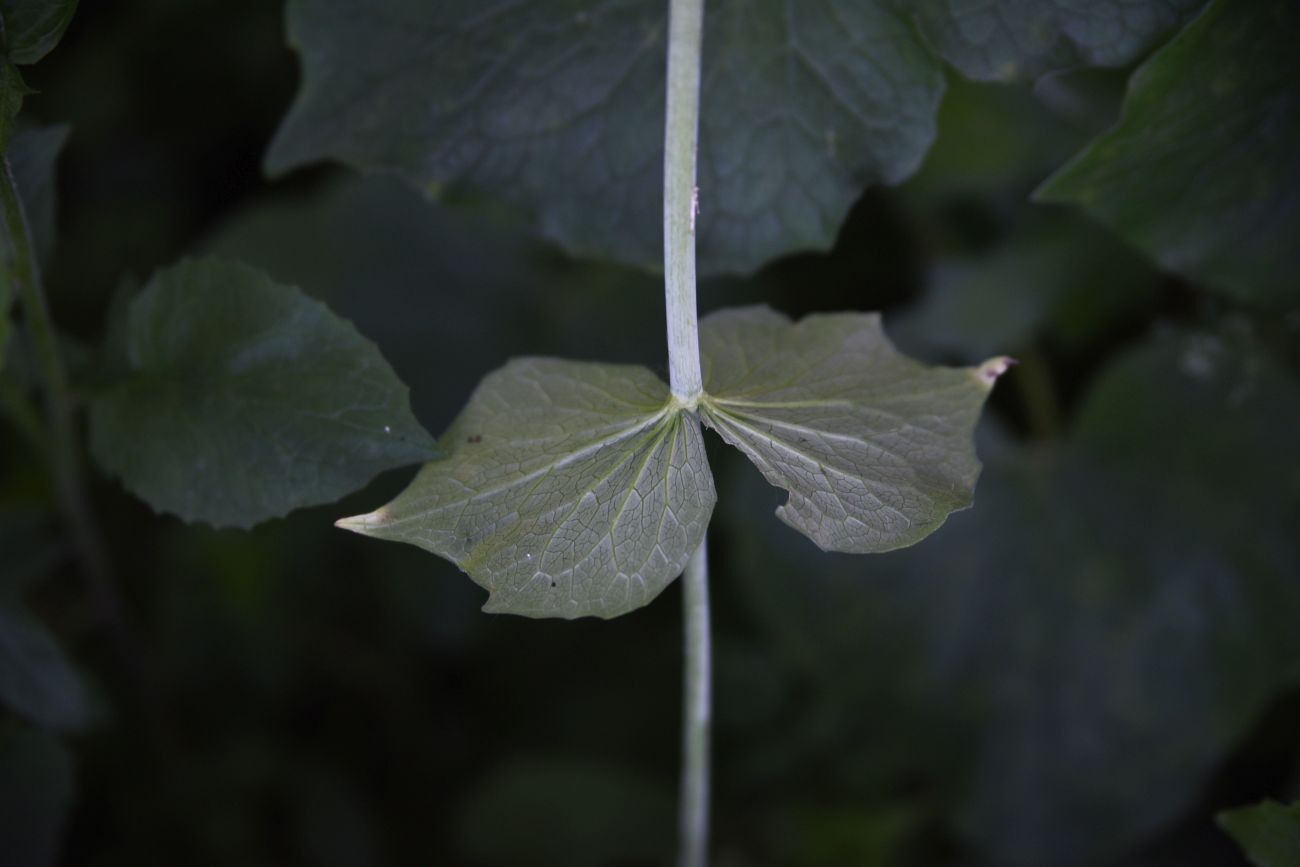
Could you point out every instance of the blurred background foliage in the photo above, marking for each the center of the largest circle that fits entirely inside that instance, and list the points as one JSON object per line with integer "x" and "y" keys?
{"x": 1081, "y": 670}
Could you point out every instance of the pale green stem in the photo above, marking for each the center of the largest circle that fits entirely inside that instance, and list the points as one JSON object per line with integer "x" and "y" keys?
{"x": 681, "y": 133}
{"x": 697, "y": 714}
{"x": 681, "y": 206}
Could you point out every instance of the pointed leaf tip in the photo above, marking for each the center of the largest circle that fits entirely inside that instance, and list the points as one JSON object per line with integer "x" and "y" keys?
{"x": 363, "y": 524}
{"x": 988, "y": 372}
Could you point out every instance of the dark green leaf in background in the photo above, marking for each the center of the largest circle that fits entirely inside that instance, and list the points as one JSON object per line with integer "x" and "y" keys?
{"x": 246, "y": 399}
{"x": 1013, "y": 39}
{"x": 36, "y": 790}
{"x": 30, "y": 28}
{"x": 33, "y": 27}
{"x": 1113, "y": 618}
{"x": 1203, "y": 171}
{"x": 570, "y": 489}
{"x": 556, "y": 108}
{"x": 1269, "y": 833}
{"x": 874, "y": 448}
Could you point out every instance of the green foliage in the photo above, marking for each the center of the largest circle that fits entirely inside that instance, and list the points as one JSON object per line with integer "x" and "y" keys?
{"x": 33, "y": 27}
{"x": 1203, "y": 171}
{"x": 556, "y": 108}
{"x": 1091, "y": 639}
{"x": 246, "y": 399}
{"x": 29, "y": 29}
{"x": 36, "y": 790}
{"x": 1268, "y": 832}
{"x": 576, "y": 489}
{"x": 1007, "y": 40}
{"x": 875, "y": 449}
{"x": 570, "y": 489}
{"x": 1057, "y": 679}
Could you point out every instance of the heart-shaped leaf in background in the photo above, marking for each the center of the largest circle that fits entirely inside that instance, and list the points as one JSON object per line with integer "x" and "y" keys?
{"x": 246, "y": 399}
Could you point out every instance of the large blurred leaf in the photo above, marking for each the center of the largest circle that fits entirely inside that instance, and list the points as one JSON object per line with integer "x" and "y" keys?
{"x": 246, "y": 399}
{"x": 875, "y": 449}
{"x": 556, "y": 108}
{"x": 570, "y": 489}
{"x": 1268, "y": 832}
{"x": 1100, "y": 629}
{"x": 1203, "y": 172}
{"x": 36, "y": 789}
{"x": 33, "y": 27}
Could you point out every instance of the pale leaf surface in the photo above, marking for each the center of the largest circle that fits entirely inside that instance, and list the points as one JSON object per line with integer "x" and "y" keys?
{"x": 570, "y": 489}
{"x": 874, "y": 448}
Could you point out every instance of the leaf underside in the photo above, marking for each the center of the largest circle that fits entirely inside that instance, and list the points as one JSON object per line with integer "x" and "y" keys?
{"x": 1203, "y": 171}
{"x": 555, "y": 109}
{"x": 246, "y": 399}
{"x": 874, "y": 449}
{"x": 570, "y": 489}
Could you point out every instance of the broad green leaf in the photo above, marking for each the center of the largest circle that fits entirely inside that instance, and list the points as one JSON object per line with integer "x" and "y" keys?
{"x": 555, "y": 108}
{"x": 570, "y": 489}
{"x": 246, "y": 399}
{"x": 1268, "y": 833}
{"x": 36, "y": 790}
{"x": 1203, "y": 171}
{"x": 36, "y": 679}
{"x": 874, "y": 448}
{"x": 33, "y": 27}
{"x": 1005, "y": 40}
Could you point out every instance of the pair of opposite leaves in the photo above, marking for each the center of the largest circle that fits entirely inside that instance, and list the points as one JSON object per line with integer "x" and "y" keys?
{"x": 575, "y": 488}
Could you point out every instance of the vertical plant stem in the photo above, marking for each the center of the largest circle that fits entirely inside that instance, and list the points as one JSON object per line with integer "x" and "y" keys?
{"x": 697, "y": 713}
{"x": 681, "y": 204}
{"x": 681, "y": 134}
{"x": 65, "y": 456}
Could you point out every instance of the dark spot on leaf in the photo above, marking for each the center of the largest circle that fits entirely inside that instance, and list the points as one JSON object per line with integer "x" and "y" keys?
{"x": 476, "y": 438}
